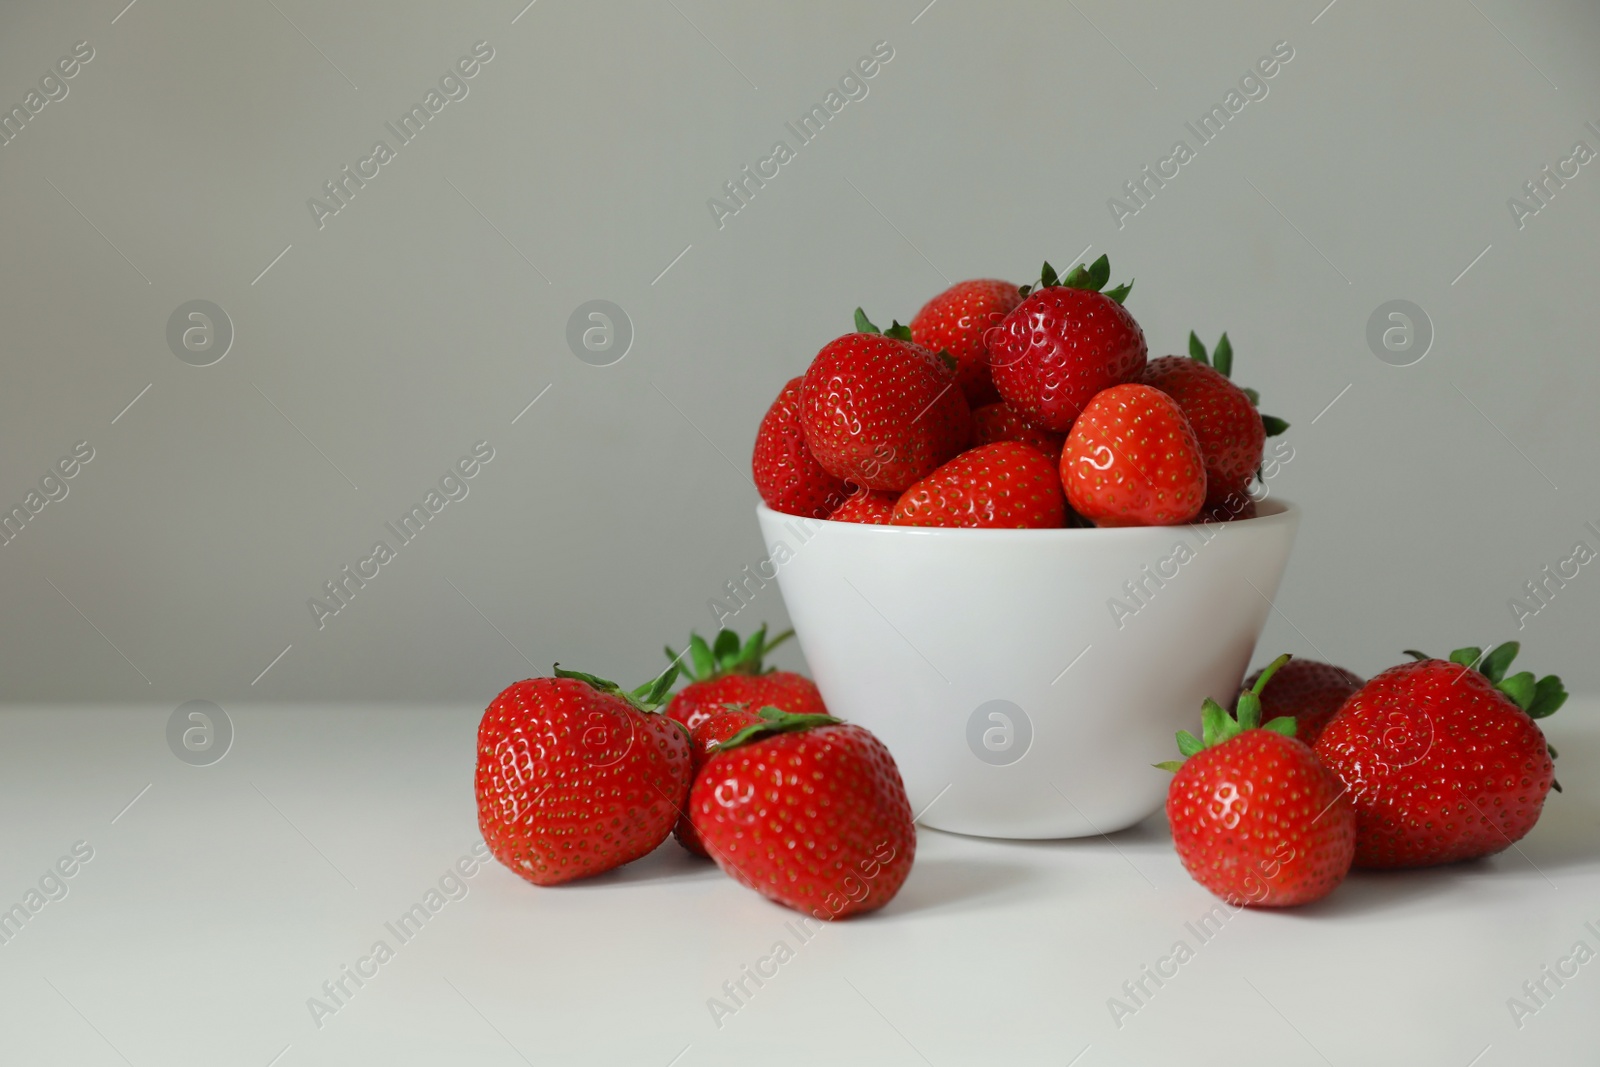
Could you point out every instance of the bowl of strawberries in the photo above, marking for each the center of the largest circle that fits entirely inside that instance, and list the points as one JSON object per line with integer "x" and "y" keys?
{"x": 1019, "y": 550}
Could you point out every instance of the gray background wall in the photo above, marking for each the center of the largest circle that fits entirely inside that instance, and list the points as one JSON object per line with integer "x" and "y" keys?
{"x": 428, "y": 312}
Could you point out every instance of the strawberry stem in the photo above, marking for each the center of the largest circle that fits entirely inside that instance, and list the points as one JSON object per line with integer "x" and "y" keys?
{"x": 1218, "y": 727}
{"x": 1540, "y": 697}
{"x": 1249, "y": 704}
{"x": 647, "y": 698}
{"x": 897, "y": 331}
{"x": 776, "y": 721}
{"x": 1092, "y": 278}
{"x": 726, "y": 655}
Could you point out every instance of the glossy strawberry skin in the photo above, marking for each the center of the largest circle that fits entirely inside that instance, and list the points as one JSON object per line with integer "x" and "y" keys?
{"x": 1132, "y": 460}
{"x": 1440, "y": 766}
{"x": 1306, "y": 691}
{"x": 703, "y": 741}
{"x": 1226, "y": 424}
{"x": 816, "y": 820}
{"x": 787, "y": 475}
{"x": 871, "y": 506}
{"x": 1003, "y": 485}
{"x": 956, "y": 320}
{"x": 1000, "y": 422}
{"x": 791, "y": 692}
{"x": 1259, "y": 821}
{"x": 880, "y": 412}
{"x": 572, "y": 781}
{"x": 1058, "y": 348}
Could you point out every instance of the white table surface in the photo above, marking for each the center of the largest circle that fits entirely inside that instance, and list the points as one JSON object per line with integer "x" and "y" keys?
{"x": 223, "y": 898}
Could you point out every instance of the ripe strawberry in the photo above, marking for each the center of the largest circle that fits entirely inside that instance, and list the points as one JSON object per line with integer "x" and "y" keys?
{"x": 1000, "y": 422}
{"x": 1444, "y": 762}
{"x": 1307, "y": 692}
{"x": 1132, "y": 460}
{"x": 1064, "y": 343}
{"x": 730, "y": 673}
{"x": 575, "y": 778}
{"x": 1230, "y": 430}
{"x": 1006, "y": 484}
{"x": 871, "y": 506}
{"x": 703, "y": 741}
{"x": 787, "y": 475}
{"x": 1255, "y": 818}
{"x": 880, "y": 411}
{"x": 809, "y": 812}
{"x": 955, "y": 322}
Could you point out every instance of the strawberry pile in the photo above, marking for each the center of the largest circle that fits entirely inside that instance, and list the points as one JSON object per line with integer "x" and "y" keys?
{"x": 576, "y": 776}
{"x": 1024, "y": 407}
{"x": 1434, "y": 761}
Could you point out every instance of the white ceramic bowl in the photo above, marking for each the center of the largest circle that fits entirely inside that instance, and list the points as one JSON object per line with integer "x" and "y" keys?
{"x": 1018, "y": 697}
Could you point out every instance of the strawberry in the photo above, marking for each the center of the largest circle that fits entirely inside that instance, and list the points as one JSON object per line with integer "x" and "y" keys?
{"x": 809, "y": 812}
{"x": 1064, "y": 343}
{"x": 955, "y": 322}
{"x": 787, "y": 475}
{"x": 871, "y": 506}
{"x": 1000, "y": 422}
{"x": 730, "y": 673}
{"x": 1444, "y": 762}
{"x": 880, "y": 411}
{"x": 1132, "y": 460}
{"x": 575, "y": 778}
{"x": 703, "y": 741}
{"x": 1230, "y": 430}
{"x": 1256, "y": 819}
{"x": 1306, "y": 691}
{"x": 1006, "y": 484}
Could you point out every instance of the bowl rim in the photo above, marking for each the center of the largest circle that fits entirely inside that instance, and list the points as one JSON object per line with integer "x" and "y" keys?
{"x": 1277, "y": 512}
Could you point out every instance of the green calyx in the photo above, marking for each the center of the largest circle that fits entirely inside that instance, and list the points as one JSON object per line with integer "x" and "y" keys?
{"x": 1218, "y": 727}
{"x": 775, "y": 721}
{"x": 726, "y": 654}
{"x": 1539, "y": 697}
{"x": 1092, "y": 278}
{"x": 897, "y": 331}
{"x": 648, "y": 697}
{"x": 1221, "y": 360}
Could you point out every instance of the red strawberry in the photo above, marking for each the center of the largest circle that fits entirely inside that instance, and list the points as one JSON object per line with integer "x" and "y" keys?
{"x": 1307, "y": 692}
{"x": 809, "y": 812}
{"x": 955, "y": 322}
{"x": 1230, "y": 430}
{"x": 872, "y": 506}
{"x": 1255, "y": 818}
{"x": 787, "y": 475}
{"x": 574, "y": 778}
{"x": 880, "y": 411}
{"x": 730, "y": 673}
{"x": 1132, "y": 460}
{"x": 999, "y": 422}
{"x": 1006, "y": 484}
{"x": 1443, "y": 762}
{"x": 703, "y": 741}
{"x": 1064, "y": 343}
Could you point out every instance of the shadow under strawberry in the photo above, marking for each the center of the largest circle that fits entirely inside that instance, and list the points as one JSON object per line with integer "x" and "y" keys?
{"x": 1418, "y": 890}
{"x": 957, "y": 883}
{"x": 668, "y": 863}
